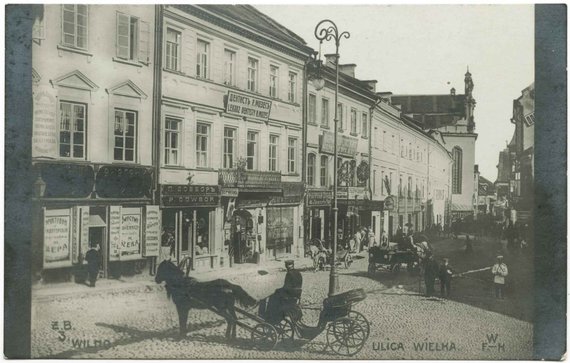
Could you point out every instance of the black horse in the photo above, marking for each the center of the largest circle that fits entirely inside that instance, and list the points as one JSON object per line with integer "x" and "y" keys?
{"x": 217, "y": 295}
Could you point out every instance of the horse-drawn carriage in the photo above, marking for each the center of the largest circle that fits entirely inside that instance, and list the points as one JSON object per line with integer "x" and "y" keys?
{"x": 347, "y": 330}
{"x": 322, "y": 257}
{"x": 393, "y": 256}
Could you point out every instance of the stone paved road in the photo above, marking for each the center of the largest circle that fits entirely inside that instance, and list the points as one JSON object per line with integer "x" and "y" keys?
{"x": 142, "y": 323}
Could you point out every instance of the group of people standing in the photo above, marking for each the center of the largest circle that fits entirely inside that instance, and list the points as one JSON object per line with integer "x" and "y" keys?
{"x": 432, "y": 270}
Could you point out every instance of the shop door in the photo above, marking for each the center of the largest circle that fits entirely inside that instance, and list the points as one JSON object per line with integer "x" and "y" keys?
{"x": 97, "y": 236}
{"x": 316, "y": 227}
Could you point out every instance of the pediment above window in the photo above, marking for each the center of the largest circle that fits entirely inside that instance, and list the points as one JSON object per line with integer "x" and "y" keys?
{"x": 76, "y": 80}
{"x": 127, "y": 89}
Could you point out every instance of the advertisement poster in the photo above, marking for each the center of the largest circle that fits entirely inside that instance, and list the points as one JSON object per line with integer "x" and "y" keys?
{"x": 279, "y": 227}
{"x": 57, "y": 241}
{"x": 130, "y": 233}
{"x": 152, "y": 231}
{"x": 114, "y": 233}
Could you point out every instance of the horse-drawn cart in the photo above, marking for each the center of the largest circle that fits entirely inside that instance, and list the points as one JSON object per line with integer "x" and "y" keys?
{"x": 322, "y": 257}
{"x": 391, "y": 260}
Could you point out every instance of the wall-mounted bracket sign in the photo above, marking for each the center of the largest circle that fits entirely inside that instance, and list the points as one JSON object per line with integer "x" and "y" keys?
{"x": 247, "y": 105}
{"x": 346, "y": 145}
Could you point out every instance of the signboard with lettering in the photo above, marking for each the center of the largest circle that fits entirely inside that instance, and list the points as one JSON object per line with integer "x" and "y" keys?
{"x": 248, "y": 106}
{"x": 229, "y": 192}
{"x": 130, "y": 233}
{"x": 319, "y": 198}
{"x": 152, "y": 231}
{"x": 190, "y": 195}
{"x": 84, "y": 235}
{"x": 114, "y": 233}
{"x": 346, "y": 145}
{"x": 44, "y": 137}
{"x": 57, "y": 238}
{"x": 389, "y": 203}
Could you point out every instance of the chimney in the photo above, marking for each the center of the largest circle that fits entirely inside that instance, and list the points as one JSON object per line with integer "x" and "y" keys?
{"x": 330, "y": 60}
{"x": 452, "y": 91}
{"x": 385, "y": 96}
{"x": 371, "y": 85}
{"x": 348, "y": 69}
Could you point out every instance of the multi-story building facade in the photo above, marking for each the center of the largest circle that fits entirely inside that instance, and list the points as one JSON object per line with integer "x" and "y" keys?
{"x": 355, "y": 100}
{"x": 231, "y": 135}
{"x": 451, "y": 115}
{"x": 92, "y": 125}
{"x": 410, "y": 172}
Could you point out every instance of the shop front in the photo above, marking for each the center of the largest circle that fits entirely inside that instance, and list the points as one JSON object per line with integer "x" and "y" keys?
{"x": 319, "y": 215}
{"x": 192, "y": 226}
{"x": 84, "y": 206}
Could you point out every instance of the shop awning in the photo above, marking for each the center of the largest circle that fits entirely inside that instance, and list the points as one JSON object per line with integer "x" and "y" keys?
{"x": 96, "y": 221}
{"x": 456, "y": 207}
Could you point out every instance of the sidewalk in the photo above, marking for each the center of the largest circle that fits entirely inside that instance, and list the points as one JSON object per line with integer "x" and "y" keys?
{"x": 146, "y": 282}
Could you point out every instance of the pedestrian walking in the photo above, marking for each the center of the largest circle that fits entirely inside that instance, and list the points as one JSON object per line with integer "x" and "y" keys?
{"x": 445, "y": 275}
{"x": 384, "y": 239}
{"x": 500, "y": 271}
{"x": 431, "y": 270}
{"x": 93, "y": 258}
{"x": 357, "y": 240}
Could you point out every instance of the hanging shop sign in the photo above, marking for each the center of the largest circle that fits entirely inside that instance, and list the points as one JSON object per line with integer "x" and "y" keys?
{"x": 114, "y": 233}
{"x": 229, "y": 192}
{"x": 152, "y": 231}
{"x": 190, "y": 195}
{"x": 346, "y": 145}
{"x": 57, "y": 238}
{"x": 130, "y": 233}
{"x": 319, "y": 198}
{"x": 123, "y": 182}
{"x": 247, "y": 106}
{"x": 44, "y": 137}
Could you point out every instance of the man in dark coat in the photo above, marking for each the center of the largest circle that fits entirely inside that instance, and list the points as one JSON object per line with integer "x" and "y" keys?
{"x": 93, "y": 258}
{"x": 431, "y": 270}
{"x": 445, "y": 274}
{"x": 284, "y": 299}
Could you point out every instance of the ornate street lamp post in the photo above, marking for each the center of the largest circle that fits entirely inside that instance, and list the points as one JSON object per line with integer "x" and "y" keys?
{"x": 324, "y": 31}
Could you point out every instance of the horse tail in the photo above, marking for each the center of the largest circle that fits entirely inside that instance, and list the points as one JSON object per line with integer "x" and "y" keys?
{"x": 242, "y": 297}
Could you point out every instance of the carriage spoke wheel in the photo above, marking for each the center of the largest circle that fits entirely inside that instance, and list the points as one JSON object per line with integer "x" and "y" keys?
{"x": 285, "y": 330}
{"x": 359, "y": 319}
{"x": 346, "y": 336}
{"x": 348, "y": 261}
{"x": 264, "y": 336}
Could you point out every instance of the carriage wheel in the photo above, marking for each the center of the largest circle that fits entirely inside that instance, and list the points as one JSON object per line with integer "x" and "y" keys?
{"x": 285, "y": 330}
{"x": 346, "y": 336}
{"x": 396, "y": 268}
{"x": 361, "y": 320}
{"x": 264, "y": 336}
{"x": 348, "y": 260}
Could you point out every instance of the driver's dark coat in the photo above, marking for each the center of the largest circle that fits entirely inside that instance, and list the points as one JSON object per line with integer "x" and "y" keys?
{"x": 293, "y": 280}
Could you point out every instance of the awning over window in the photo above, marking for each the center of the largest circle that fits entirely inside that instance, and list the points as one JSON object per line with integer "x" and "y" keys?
{"x": 96, "y": 221}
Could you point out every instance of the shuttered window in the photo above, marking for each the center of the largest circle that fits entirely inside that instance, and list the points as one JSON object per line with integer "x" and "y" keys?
{"x": 132, "y": 38}
{"x": 75, "y": 26}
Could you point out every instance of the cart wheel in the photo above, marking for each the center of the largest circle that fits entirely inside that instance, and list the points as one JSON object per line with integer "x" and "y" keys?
{"x": 348, "y": 260}
{"x": 264, "y": 336}
{"x": 361, "y": 320}
{"x": 396, "y": 268}
{"x": 345, "y": 336}
{"x": 285, "y": 330}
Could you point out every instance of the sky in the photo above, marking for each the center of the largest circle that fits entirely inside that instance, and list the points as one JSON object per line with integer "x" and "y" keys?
{"x": 426, "y": 49}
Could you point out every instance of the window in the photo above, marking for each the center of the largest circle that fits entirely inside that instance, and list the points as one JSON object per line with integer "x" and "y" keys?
{"x": 291, "y": 155}
{"x": 202, "y": 59}
{"x": 340, "y": 117}
{"x": 400, "y": 192}
{"x": 74, "y": 26}
{"x": 273, "y": 152}
{"x": 202, "y": 136}
{"x": 374, "y": 181}
{"x": 402, "y": 149}
{"x": 325, "y": 112}
{"x": 409, "y": 187}
{"x": 127, "y": 33}
{"x": 311, "y": 169}
{"x": 229, "y": 67}
{"x": 364, "y": 125}
{"x": 229, "y": 147}
{"x": 172, "y": 141}
{"x": 393, "y": 146}
{"x": 324, "y": 170}
{"x": 252, "y": 74}
{"x": 529, "y": 119}
{"x": 292, "y": 94}
{"x": 353, "y": 121}
{"x": 125, "y": 135}
{"x": 382, "y": 182}
{"x": 172, "y": 49}
{"x": 390, "y": 184}
{"x": 273, "y": 81}
{"x": 456, "y": 171}
{"x": 72, "y": 130}
{"x": 252, "y": 150}
{"x": 312, "y": 109}
{"x": 410, "y": 151}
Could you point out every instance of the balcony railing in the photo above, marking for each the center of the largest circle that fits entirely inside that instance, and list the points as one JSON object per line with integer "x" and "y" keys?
{"x": 250, "y": 179}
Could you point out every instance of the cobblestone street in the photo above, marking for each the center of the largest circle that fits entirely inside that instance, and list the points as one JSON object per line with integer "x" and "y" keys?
{"x": 142, "y": 323}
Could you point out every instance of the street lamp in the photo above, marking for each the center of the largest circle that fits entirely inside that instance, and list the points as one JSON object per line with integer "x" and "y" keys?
{"x": 324, "y": 31}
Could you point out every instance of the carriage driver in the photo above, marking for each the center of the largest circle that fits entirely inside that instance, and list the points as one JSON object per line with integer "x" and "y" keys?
{"x": 283, "y": 299}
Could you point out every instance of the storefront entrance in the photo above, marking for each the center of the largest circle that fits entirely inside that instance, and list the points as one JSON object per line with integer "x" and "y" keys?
{"x": 244, "y": 241}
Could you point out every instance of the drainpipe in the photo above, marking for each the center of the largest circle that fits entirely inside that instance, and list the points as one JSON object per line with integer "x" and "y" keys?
{"x": 304, "y": 148}
{"x": 374, "y": 105}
